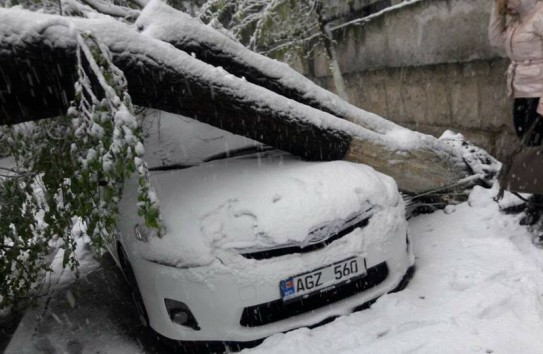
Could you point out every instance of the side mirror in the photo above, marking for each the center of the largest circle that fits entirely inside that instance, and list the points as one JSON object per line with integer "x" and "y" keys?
{"x": 142, "y": 233}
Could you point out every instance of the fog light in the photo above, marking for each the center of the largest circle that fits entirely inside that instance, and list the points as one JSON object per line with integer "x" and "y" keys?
{"x": 180, "y": 314}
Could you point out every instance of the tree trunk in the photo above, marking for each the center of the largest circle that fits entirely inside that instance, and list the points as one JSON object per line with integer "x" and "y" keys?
{"x": 328, "y": 42}
{"x": 37, "y": 66}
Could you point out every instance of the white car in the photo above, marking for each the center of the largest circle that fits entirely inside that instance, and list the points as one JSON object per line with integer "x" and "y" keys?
{"x": 257, "y": 241}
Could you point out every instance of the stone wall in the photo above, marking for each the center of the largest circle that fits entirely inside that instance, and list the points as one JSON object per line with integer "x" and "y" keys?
{"x": 427, "y": 66}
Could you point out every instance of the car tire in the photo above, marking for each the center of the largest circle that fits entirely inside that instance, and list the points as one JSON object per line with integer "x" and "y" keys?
{"x": 133, "y": 286}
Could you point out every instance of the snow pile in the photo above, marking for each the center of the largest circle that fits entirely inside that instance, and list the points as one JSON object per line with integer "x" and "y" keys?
{"x": 60, "y": 277}
{"x": 478, "y": 289}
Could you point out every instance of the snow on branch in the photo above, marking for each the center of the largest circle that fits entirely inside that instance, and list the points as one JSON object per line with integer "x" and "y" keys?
{"x": 111, "y": 9}
{"x": 37, "y": 57}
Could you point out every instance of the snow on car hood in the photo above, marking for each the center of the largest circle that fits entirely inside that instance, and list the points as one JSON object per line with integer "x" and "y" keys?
{"x": 260, "y": 201}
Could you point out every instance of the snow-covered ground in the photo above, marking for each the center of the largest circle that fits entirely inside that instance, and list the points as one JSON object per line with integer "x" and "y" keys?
{"x": 478, "y": 289}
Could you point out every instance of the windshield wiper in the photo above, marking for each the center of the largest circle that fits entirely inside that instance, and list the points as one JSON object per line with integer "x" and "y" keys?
{"x": 248, "y": 150}
{"x": 178, "y": 166}
{"x": 239, "y": 152}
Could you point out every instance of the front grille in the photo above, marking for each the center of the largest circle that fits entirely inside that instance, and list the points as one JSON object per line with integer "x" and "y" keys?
{"x": 309, "y": 248}
{"x": 278, "y": 310}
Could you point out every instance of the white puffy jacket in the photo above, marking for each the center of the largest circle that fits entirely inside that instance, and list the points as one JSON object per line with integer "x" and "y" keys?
{"x": 522, "y": 38}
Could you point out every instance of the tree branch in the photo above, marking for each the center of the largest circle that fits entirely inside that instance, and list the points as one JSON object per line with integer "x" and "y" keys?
{"x": 111, "y": 9}
{"x": 37, "y": 63}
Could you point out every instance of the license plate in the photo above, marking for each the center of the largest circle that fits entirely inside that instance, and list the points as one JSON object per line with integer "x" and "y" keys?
{"x": 322, "y": 279}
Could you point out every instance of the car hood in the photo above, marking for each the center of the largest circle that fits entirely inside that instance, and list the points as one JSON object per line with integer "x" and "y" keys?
{"x": 263, "y": 201}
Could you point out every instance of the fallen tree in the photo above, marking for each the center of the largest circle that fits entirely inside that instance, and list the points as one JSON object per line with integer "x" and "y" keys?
{"x": 37, "y": 66}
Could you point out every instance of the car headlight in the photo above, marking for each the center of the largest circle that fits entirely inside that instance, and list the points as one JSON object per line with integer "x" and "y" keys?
{"x": 180, "y": 314}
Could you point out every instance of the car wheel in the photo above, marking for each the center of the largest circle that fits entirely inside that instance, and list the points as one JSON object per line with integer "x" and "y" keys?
{"x": 133, "y": 286}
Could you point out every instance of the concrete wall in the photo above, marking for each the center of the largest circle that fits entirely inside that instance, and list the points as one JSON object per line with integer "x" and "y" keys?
{"x": 344, "y": 10}
{"x": 427, "y": 66}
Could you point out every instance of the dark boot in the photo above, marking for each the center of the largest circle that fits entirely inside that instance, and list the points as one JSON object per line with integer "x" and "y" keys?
{"x": 531, "y": 216}
{"x": 537, "y": 231}
{"x": 534, "y": 210}
{"x": 537, "y": 240}
{"x": 536, "y": 200}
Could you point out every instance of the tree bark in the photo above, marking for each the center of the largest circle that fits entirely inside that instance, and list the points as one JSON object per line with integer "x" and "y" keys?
{"x": 38, "y": 70}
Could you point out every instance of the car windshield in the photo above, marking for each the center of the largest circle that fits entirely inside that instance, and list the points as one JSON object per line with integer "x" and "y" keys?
{"x": 175, "y": 142}
{"x": 244, "y": 151}
{"x": 249, "y": 150}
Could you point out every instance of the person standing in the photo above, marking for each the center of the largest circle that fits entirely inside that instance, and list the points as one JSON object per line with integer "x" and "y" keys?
{"x": 517, "y": 26}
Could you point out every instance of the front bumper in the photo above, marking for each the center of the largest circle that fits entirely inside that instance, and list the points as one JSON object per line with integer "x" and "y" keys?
{"x": 222, "y": 294}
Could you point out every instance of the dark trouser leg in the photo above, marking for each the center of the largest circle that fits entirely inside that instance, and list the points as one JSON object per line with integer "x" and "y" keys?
{"x": 524, "y": 115}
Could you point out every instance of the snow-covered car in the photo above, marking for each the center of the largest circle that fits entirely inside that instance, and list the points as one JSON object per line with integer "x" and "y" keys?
{"x": 257, "y": 241}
